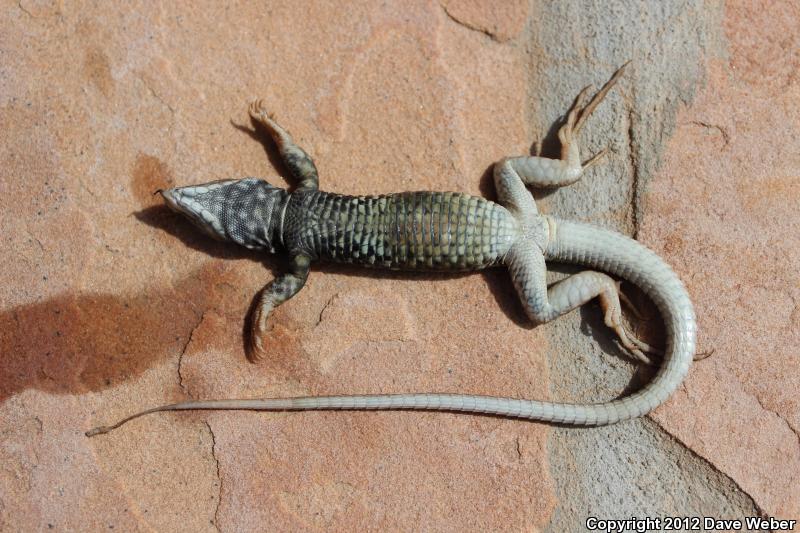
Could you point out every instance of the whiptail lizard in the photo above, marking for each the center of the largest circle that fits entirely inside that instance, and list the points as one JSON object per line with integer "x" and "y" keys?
{"x": 455, "y": 232}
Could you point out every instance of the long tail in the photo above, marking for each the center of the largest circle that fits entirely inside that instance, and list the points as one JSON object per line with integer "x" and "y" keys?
{"x": 572, "y": 243}
{"x": 608, "y": 251}
{"x": 422, "y": 402}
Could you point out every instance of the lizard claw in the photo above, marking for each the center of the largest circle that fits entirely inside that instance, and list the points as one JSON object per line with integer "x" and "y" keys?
{"x": 613, "y": 319}
{"x": 574, "y": 117}
{"x": 596, "y": 158}
{"x": 636, "y": 347}
{"x": 699, "y": 356}
{"x": 258, "y": 111}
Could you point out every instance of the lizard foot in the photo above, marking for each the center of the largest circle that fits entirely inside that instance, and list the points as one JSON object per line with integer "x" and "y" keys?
{"x": 612, "y": 311}
{"x": 258, "y": 111}
{"x": 258, "y": 330}
{"x": 272, "y": 295}
{"x": 583, "y": 112}
{"x": 638, "y": 348}
{"x": 576, "y": 118}
{"x": 545, "y": 172}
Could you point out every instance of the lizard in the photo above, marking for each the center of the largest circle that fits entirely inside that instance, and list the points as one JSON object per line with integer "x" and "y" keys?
{"x": 447, "y": 231}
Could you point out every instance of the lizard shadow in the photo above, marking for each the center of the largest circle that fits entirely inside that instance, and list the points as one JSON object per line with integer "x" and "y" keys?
{"x": 75, "y": 343}
{"x": 593, "y": 326}
{"x": 163, "y": 218}
{"x": 90, "y": 341}
{"x": 270, "y": 150}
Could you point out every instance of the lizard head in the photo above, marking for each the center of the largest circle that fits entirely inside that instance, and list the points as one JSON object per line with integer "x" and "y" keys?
{"x": 246, "y": 211}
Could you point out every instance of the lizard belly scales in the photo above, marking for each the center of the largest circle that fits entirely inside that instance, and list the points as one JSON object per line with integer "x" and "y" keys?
{"x": 404, "y": 231}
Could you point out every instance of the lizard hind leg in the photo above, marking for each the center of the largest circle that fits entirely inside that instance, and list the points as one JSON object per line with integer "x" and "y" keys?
{"x": 527, "y": 267}
{"x": 545, "y": 172}
{"x": 609, "y": 300}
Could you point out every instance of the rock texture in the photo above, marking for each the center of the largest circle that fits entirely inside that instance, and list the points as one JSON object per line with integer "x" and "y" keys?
{"x": 738, "y": 151}
{"x": 110, "y": 303}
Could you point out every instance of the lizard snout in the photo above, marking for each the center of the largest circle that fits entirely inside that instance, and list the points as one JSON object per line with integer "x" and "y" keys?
{"x": 169, "y": 197}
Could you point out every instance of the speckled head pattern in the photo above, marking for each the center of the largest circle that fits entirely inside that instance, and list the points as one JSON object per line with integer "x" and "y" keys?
{"x": 246, "y": 211}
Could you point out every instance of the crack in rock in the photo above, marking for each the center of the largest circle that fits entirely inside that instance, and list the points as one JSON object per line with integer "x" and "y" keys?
{"x": 469, "y": 26}
{"x": 156, "y": 95}
{"x": 710, "y": 464}
{"x": 635, "y": 192}
{"x": 780, "y": 417}
{"x": 325, "y": 307}
{"x": 725, "y": 135}
{"x": 182, "y": 385}
{"x": 215, "y": 520}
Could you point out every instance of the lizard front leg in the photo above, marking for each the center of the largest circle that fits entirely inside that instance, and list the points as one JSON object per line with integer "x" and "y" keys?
{"x": 272, "y": 295}
{"x": 295, "y": 158}
{"x": 282, "y": 288}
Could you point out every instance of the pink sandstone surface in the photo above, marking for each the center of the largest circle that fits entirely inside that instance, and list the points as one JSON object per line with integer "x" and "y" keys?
{"x": 736, "y": 241}
{"x": 110, "y": 304}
